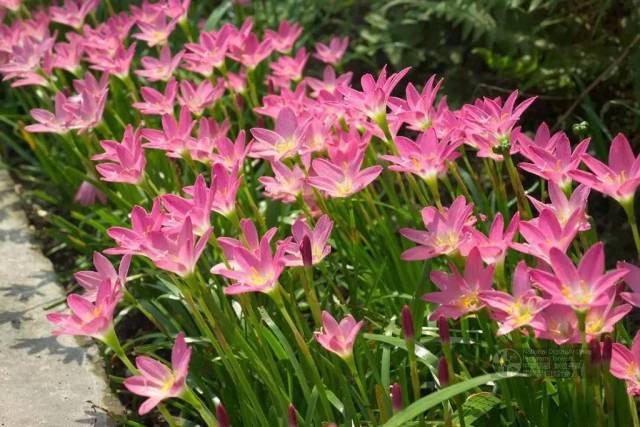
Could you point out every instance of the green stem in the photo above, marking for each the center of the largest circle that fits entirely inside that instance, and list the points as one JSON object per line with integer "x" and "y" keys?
{"x": 189, "y": 396}
{"x": 111, "y": 340}
{"x": 350, "y": 361}
{"x": 628, "y": 206}
{"x": 516, "y": 183}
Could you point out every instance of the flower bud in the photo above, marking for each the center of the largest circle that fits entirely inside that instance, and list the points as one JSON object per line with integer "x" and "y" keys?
{"x": 306, "y": 252}
{"x": 594, "y": 350}
{"x": 606, "y": 350}
{"x": 443, "y": 330}
{"x": 396, "y": 397}
{"x": 293, "y": 417}
{"x": 407, "y": 323}
{"x": 222, "y": 417}
{"x": 443, "y": 372}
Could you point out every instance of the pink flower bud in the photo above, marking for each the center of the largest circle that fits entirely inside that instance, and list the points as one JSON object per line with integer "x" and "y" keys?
{"x": 305, "y": 251}
{"x": 293, "y": 417}
{"x": 396, "y": 397}
{"x": 222, "y": 417}
{"x": 594, "y": 351}
{"x": 606, "y": 350}
{"x": 443, "y": 330}
{"x": 407, "y": 323}
{"x": 443, "y": 372}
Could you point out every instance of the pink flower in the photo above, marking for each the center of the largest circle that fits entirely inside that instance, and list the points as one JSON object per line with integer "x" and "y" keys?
{"x": 620, "y": 178}
{"x": 209, "y": 52}
{"x": 458, "y": 294}
{"x": 132, "y": 241}
{"x": 372, "y": 100}
{"x": 337, "y": 337}
{"x": 329, "y": 83}
{"x": 250, "y": 240}
{"x": 116, "y": 63}
{"x": 156, "y": 103}
{"x": 197, "y": 208}
{"x": 332, "y": 53}
{"x": 253, "y": 270}
{"x": 419, "y": 111}
{"x": 198, "y": 97}
{"x": 520, "y": 309}
{"x": 550, "y": 156}
{"x": 290, "y": 68}
{"x": 176, "y": 9}
{"x": 176, "y": 252}
{"x": 91, "y": 280}
{"x": 284, "y": 39}
{"x": 603, "y": 318}
{"x": 446, "y": 232}
{"x": 126, "y": 161}
{"x": 546, "y": 232}
{"x": 174, "y": 137}
{"x": 286, "y": 184}
{"x": 231, "y": 154}
{"x": 73, "y": 13}
{"x": 490, "y": 124}
{"x": 227, "y": 184}
{"x": 155, "y": 32}
{"x": 564, "y": 208}
{"x": 580, "y": 288}
{"x": 209, "y": 132}
{"x": 93, "y": 319}
{"x": 48, "y": 122}
{"x": 493, "y": 247}
{"x": 87, "y": 195}
{"x": 162, "y": 68}
{"x": 632, "y": 279}
{"x": 560, "y": 324}
{"x": 427, "y": 157}
{"x": 251, "y": 52}
{"x": 159, "y": 382}
{"x": 317, "y": 237}
{"x": 625, "y": 364}
{"x": 66, "y": 56}
{"x": 281, "y": 143}
{"x": 12, "y": 5}
{"x": 25, "y": 60}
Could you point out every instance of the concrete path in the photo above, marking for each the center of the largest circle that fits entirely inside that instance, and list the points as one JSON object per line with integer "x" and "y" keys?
{"x": 44, "y": 380}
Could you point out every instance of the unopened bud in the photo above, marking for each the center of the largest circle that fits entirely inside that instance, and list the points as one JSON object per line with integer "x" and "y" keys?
{"x": 293, "y": 417}
{"x": 306, "y": 252}
{"x": 407, "y": 323}
{"x": 606, "y": 350}
{"x": 443, "y": 372}
{"x": 443, "y": 330}
{"x": 222, "y": 417}
{"x": 594, "y": 350}
{"x": 396, "y": 397}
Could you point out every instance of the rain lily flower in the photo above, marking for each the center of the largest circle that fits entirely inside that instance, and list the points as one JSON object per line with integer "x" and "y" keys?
{"x": 157, "y": 381}
{"x": 209, "y": 133}
{"x": 520, "y": 309}
{"x": 284, "y": 39}
{"x": 12, "y": 5}
{"x": 251, "y": 52}
{"x": 87, "y": 195}
{"x": 564, "y": 208}
{"x": 550, "y": 157}
{"x": 427, "y": 157}
{"x": 560, "y": 325}
{"x": 231, "y": 153}
{"x": 317, "y": 236}
{"x": 162, "y": 68}
{"x": 290, "y": 68}
{"x": 174, "y": 137}
{"x": 490, "y": 124}
{"x": 446, "y": 232}
{"x": 286, "y": 185}
{"x": 343, "y": 178}
{"x": 117, "y": 63}
{"x": 372, "y": 100}
{"x": 580, "y": 288}
{"x": 227, "y": 184}
{"x": 125, "y": 160}
{"x": 155, "y": 32}
{"x": 197, "y": 97}
{"x": 619, "y": 179}
{"x": 333, "y": 52}
{"x": 547, "y": 232}
{"x": 493, "y": 247}
{"x": 460, "y": 294}
{"x": 176, "y": 252}
{"x": 66, "y": 56}
{"x": 156, "y": 103}
{"x": 176, "y": 9}
{"x": 91, "y": 280}
{"x": 73, "y": 12}
{"x": 93, "y": 319}
{"x": 330, "y": 82}
{"x": 250, "y": 239}
{"x": 603, "y": 318}
{"x": 253, "y": 271}
{"x": 208, "y": 53}
{"x": 281, "y": 143}
{"x": 131, "y": 240}
{"x": 48, "y": 122}
{"x": 625, "y": 364}
{"x": 632, "y": 279}
{"x": 25, "y": 60}
{"x": 197, "y": 208}
{"x": 337, "y": 337}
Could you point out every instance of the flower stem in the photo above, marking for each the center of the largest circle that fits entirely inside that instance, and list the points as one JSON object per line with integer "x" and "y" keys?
{"x": 111, "y": 340}
{"x": 628, "y": 206}
{"x": 516, "y": 183}
{"x": 189, "y": 396}
{"x": 363, "y": 391}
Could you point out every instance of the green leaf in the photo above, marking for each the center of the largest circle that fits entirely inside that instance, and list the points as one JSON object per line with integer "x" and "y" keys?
{"x": 476, "y": 406}
{"x": 428, "y": 402}
{"x": 217, "y": 15}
